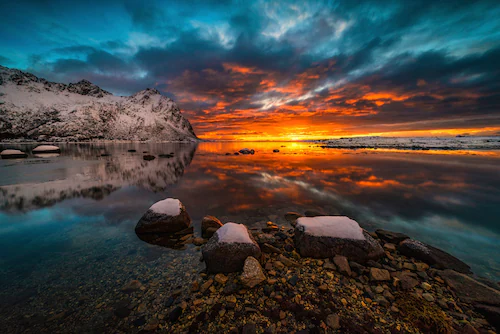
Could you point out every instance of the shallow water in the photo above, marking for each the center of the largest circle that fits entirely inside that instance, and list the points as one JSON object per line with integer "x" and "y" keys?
{"x": 67, "y": 222}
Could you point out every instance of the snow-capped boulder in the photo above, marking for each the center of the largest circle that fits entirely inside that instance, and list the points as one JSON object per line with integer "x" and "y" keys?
{"x": 228, "y": 248}
{"x": 327, "y": 236}
{"x": 13, "y": 154}
{"x": 167, "y": 216}
{"x": 432, "y": 256}
{"x": 46, "y": 149}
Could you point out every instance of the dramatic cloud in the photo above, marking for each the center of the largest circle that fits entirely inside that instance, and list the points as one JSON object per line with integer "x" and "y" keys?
{"x": 278, "y": 70}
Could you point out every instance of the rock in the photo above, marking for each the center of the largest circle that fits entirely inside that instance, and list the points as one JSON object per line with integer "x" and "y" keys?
{"x": 390, "y": 247}
{"x": 293, "y": 280}
{"x": 342, "y": 264}
{"x": 379, "y": 289}
{"x": 491, "y": 313}
{"x": 377, "y": 274}
{"x": 469, "y": 329}
{"x": 391, "y": 237}
{"x": 249, "y": 328}
{"x": 276, "y": 151}
{"x": 469, "y": 290}
{"x": 175, "y": 314}
{"x": 327, "y": 236}
{"x": 407, "y": 282}
{"x": 246, "y": 151}
{"x": 221, "y": 278}
{"x": 333, "y": 321}
{"x": 432, "y": 256}
{"x": 199, "y": 241}
{"x": 131, "y": 151}
{"x": 131, "y": 286}
{"x": 329, "y": 265}
{"x": 46, "y": 149}
{"x": 428, "y": 296}
{"x": 151, "y": 325}
{"x": 149, "y": 157}
{"x": 228, "y": 248}
{"x": 204, "y": 287}
{"x": 167, "y": 216}
{"x": 209, "y": 225}
{"x": 292, "y": 217}
{"x": 252, "y": 273}
{"x": 426, "y": 286}
{"x": 287, "y": 262}
{"x": 267, "y": 248}
{"x": 382, "y": 301}
{"x": 12, "y": 154}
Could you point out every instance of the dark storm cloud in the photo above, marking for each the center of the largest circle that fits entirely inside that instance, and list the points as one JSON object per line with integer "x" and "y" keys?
{"x": 360, "y": 64}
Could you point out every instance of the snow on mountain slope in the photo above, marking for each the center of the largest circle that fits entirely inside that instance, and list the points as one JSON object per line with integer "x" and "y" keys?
{"x": 32, "y": 108}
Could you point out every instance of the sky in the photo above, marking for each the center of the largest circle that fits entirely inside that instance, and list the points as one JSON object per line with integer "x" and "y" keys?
{"x": 269, "y": 70}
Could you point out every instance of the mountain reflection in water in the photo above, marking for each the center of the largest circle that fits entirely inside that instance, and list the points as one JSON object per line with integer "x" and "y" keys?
{"x": 448, "y": 199}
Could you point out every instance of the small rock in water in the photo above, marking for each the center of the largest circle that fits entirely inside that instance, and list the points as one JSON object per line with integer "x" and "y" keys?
{"x": 276, "y": 150}
{"x": 209, "y": 225}
{"x": 12, "y": 154}
{"x": 252, "y": 273}
{"x": 148, "y": 157}
{"x": 131, "y": 286}
{"x": 46, "y": 149}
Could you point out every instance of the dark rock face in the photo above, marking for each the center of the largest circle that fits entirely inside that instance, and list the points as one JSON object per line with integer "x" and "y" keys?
{"x": 391, "y": 237}
{"x": 209, "y": 225}
{"x": 432, "y": 256}
{"x": 84, "y": 87}
{"x": 491, "y": 313}
{"x": 322, "y": 247}
{"x": 469, "y": 290}
{"x": 154, "y": 222}
{"x": 226, "y": 257}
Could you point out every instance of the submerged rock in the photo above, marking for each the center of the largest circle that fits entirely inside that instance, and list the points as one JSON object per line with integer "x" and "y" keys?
{"x": 166, "y": 216}
{"x": 252, "y": 273}
{"x": 209, "y": 225}
{"x": 433, "y": 256}
{"x": 12, "y": 154}
{"x": 148, "y": 157}
{"x": 46, "y": 149}
{"x": 228, "y": 248}
{"x": 326, "y": 236}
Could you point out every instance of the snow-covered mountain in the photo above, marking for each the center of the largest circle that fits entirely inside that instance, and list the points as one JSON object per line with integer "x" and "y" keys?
{"x": 33, "y": 108}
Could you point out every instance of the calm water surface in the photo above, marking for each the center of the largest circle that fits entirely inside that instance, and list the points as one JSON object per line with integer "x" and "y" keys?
{"x": 67, "y": 222}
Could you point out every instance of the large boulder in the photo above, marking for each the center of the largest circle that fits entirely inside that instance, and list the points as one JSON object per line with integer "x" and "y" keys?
{"x": 209, "y": 225}
{"x": 432, "y": 256}
{"x": 228, "y": 248}
{"x": 167, "y": 216}
{"x": 12, "y": 154}
{"x": 469, "y": 290}
{"x": 46, "y": 149}
{"x": 326, "y": 236}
